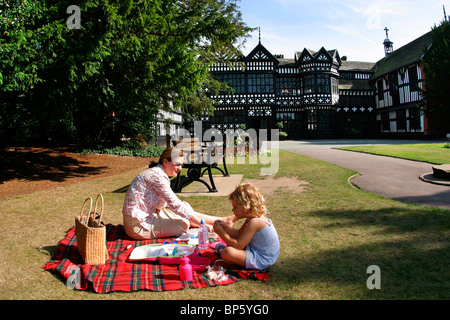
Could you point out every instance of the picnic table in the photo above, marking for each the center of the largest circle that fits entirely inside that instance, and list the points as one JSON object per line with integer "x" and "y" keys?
{"x": 200, "y": 157}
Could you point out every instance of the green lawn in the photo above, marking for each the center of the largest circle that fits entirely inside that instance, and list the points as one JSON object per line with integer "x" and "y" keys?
{"x": 434, "y": 153}
{"x": 329, "y": 236}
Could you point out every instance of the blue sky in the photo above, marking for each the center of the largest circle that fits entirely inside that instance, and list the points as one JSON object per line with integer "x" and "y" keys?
{"x": 354, "y": 27}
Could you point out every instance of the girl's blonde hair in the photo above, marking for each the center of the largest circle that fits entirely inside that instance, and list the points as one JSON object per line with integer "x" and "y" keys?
{"x": 249, "y": 197}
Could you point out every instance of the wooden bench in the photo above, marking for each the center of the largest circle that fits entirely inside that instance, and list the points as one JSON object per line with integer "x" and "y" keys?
{"x": 199, "y": 157}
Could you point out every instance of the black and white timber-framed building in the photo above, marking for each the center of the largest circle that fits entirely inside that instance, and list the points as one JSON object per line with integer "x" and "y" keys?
{"x": 398, "y": 81}
{"x": 304, "y": 94}
{"x": 320, "y": 94}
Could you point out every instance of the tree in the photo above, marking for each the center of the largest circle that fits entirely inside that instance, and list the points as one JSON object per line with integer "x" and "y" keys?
{"x": 109, "y": 78}
{"x": 22, "y": 56}
{"x": 437, "y": 76}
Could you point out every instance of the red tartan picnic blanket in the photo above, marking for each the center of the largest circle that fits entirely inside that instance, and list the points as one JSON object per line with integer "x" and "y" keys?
{"x": 120, "y": 274}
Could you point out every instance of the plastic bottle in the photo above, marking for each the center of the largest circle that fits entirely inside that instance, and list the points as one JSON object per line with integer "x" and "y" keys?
{"x": 203, "y": 233}
{"x": 185, "y": 269}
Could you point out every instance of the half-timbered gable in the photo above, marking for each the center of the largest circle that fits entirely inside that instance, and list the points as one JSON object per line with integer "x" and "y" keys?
{"x": 319, "y": 74}
{"x": 397, "y": 81}
{"x": 260, "y": 54}
{"x": 253, "y": 84}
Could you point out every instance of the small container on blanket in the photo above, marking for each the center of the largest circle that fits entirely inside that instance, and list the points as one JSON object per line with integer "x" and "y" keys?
{"x": 185, "y": 269}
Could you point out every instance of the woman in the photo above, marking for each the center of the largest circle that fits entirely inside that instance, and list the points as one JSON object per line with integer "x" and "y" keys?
{"x": 152, "y": 210}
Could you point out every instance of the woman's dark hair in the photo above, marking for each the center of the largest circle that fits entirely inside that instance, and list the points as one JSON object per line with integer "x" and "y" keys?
{"x": 167, "y": 154}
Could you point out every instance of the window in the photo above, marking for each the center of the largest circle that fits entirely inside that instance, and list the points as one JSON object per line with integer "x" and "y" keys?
{"x": 385, "y": 123}
{"x": 354, "y": 76}
{"x": 394, "y": 88}
{"x": 347, "y": 75}
{"x": 288, "y": 86}
{"x": 285, "y": 116}
{"x": 260, "y": 83}
{"x": 414, "y": 119}
{"x": 393, "y": 83}
{"x": 401, "y": 119}
{"x": 323, "y": 120}
{"x": 229, "y": 116}
{"x": 291, "y": 121}
{"x": 334, "y": 85}
{"x": 413, "y": 79}
{"x": 317, "y": 83}
{"x": 308, "y": 84}
{"x": 234, "y": 80}
{"x": 380, "y": 89}
{"x": 312, "y": 120}
{"x": 323, "y": 83}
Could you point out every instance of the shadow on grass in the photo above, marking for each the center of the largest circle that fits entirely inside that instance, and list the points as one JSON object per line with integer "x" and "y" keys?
{"x": 49, "y": 250}
{"x": 438, "y": 199}
{"x": 410, "y": 246}
{"x": 36, "y": 164}
{"x": 123, "y": 189}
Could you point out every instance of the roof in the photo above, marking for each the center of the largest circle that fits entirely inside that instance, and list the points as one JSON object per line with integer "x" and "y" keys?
{"x": 287, "y": 62}
{"x": 332, "y": 54}
{"x": 260, "y": 53}
{"x": 352, "y": 84}
{"x": 357, "y": 66}
{"x": 408, "y": 54}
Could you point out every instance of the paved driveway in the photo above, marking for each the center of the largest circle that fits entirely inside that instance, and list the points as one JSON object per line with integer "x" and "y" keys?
{"x": 389, "y": 177}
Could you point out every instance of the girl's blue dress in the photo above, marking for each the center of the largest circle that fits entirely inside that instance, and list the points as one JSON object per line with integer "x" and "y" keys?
{"x": 264, "y": 248}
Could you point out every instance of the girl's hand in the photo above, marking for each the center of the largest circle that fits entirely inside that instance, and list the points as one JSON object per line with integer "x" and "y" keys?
{"x": 218, "y": 228}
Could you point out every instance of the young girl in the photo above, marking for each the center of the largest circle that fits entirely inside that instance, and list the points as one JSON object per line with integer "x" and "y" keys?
{"x": 255, "y": 245}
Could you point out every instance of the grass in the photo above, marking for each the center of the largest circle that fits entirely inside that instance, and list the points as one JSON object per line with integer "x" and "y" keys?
{"x": 329, "y": 236}
{"x": 435, "y": 153}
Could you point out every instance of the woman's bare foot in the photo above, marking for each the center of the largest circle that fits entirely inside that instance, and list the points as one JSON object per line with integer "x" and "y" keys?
{"x": 230, "y": 220}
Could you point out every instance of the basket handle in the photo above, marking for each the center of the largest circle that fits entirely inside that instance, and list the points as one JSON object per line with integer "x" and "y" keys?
{"x": 89, "y": 212}
{"x": 95, "y": 208}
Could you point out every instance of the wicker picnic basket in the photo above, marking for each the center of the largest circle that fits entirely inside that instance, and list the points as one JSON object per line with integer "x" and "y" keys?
{"x": 91, "y": 234}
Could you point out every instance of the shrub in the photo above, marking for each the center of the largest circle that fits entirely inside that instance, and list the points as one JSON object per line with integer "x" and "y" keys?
{"x": 128, "y": 151}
